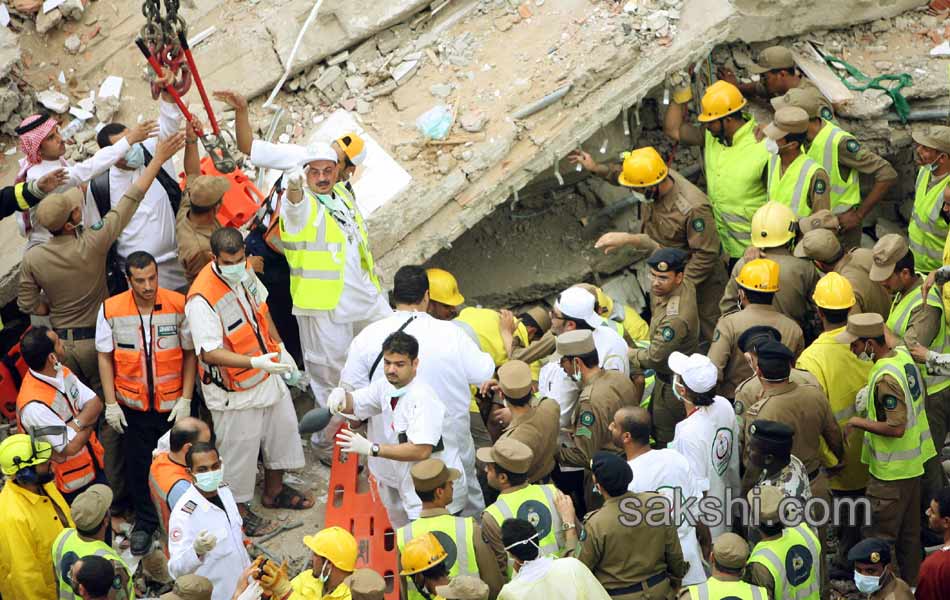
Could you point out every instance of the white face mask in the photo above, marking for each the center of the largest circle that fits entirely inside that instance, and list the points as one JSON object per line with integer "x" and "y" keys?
{"x": 867, "y": 355}
{"x": 324, "y": 572}
{"x": 867, "y": 584}
{"x": 772, "y": 146}
{"x": 234, "y": 274}
{"x": 576, "y": 375}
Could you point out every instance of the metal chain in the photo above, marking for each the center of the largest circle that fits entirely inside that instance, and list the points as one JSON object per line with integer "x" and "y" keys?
{"x": 152, "y": 30}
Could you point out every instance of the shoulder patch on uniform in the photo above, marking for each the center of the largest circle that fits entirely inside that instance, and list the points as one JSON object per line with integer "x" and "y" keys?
{"x": 890, "y": 402}
{"x": 583, "y": 432}
{"x": 587, "y": 418}
{"x": 673, "y": 306}
{"x": 716, "y": 335}
{"x": 189, "y": 507}
{"x": 668, "y": 334}
{"x": 826, "y": 114}
{"x": 853, "y": 146}
{"x": 175, "y": 534}
{"x": 699, "y": 225}
{"x": 820, "y": 186}
{"x": 97, "y": 226}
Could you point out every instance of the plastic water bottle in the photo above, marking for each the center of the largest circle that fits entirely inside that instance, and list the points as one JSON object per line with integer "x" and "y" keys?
{"x": 72, "y": 129}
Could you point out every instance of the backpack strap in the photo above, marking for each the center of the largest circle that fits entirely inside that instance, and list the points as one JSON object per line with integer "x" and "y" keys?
{"x": 167, "y": 182}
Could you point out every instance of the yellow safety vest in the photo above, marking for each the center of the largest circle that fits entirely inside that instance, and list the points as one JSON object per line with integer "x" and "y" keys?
{"x": 534, "y": 503}
{"x": 69, "y": 547}
{"x": 794, "y": 561}
{"x": 456, "y": 534}
{"x": 715, "y": 589}
{"x": 845, "y": 194}
{"x": 631, "y": 323}
{"x": 893, "y": 459}
{"x": 928, "y": 229}
{"x": 317, "y": 254}
{"x": 734, "y": 185}
{"x": 791, "y": 188}
{"x": 946, "y": 288}
{"x": 841, "y": 374}
{"x": 899, "y": 320}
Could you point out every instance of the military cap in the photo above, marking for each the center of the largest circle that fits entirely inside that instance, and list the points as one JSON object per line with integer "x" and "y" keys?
{"x": 788, "y": 119}
{"x": 54, "y": 210}
{"x": 769, "y": 499}
{"x": 666, "y": 260}
{"x": 819, "y": 244}
{"x": 870, "y": 551}
{"x": 755, "y": 335}
{"x": 887, "y": 252}
{"x": 207, "y": 190}
{"x": 772, "y": 432}
{"x": 366, "y": 584}
{"x": 809, "y": 100}
{"x": 90, "y": 507}
{"x": 190, "y": 587}
{"x": 464, "y": 587}
{"x": 861, "y": 325}
{"x": 934, "y": 136}
{"x": 508, "y": 453}
{"x": 514, "y": 379}
{"x": 541, "y": 317}
{"x": 731, "y": 551}
{"x": 820, "y": 219}
{"x": 772, "y": 58}
{"x": 577, "y": 342}
{"x": 773, "y": 350}
{"x": 612, "y": 472}
{"x": 431, "y": 473}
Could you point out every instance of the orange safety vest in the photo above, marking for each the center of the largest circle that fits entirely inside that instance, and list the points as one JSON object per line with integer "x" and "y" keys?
{"x": 78, "y": 470}
{"x": 162, "y": 477}
{"x": 147, "y": 377}
{"x": 243, "y": 333}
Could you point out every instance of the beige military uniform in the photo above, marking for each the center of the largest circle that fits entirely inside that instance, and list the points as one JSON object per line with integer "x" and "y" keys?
{"x": 674, "y": 327}
{"x": 870, "y": 296}
{"x": 194, "y": 241}
{"x": 747, "y": 397}
{"x": 604, "y": 393}
{"x": 797, "y": 278}
{"x": 724, "y": 351}
{"x": 538, "y": 429}
{"x": 536, "y": 350}
{"x": 819, "y": 191}
{"x": 624, "y": 552}
{"x": 892, "y": 588}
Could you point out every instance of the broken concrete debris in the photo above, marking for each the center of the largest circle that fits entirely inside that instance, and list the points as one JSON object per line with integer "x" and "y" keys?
{"x": 53, "y": 100}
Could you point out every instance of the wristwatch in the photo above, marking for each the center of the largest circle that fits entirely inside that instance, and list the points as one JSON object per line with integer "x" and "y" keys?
{"x": 374, "y": 450}
{"x": 565, "y": 526}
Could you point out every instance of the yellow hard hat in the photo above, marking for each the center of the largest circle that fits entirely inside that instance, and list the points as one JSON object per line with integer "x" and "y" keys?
{"x": 834, "y": 292}
{"x": 20, "y": 451}
{"x": 353, "y": 147}
{"x": 420, "y": 554}
{"x": 759, "y": 275}
{"x": 643, "y": 167}
{"x": 721, "y": 99}
{"x": 336, "y": 545}
{"x": 773, "y": 225}
{"x": 444, "y": 288}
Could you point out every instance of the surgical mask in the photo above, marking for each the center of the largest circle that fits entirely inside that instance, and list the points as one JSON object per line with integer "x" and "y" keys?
{"x": 772, "y": 146}
{"x": 324, "y": 572}
{"x": 209, "y": 481}
{"x": 135, "y": 157}
{"x": 934, "y": 166}
{"x": 576, "y": 375}
{"x": 867, "y": 584}
{"x": 234, "y": 273}
{"x": 399, "y": 392}
{"x": 530, "y": 540}
{"x": 58, "y": 367}
{"x": 866, "y": 355}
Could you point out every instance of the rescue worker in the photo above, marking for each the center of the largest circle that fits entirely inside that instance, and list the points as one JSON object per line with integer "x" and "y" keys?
{"x": 665, "y": 472}
{"x": 575, "y": 310}
{"x": 204, "y": 531}
{"x": 537, "y": 322}
{"x": 350, "y": 152}
{"x": 773, "y": 231}
{"x": 897, "y": 438}
{"x": 624, "y": 319}
{"x": 758, "y": 283}
{"x": 843, "y": 157}
{"x": 461, "y": 537}
{"x": 674, "y": 327}
{"x": 367, "y": 584}
{"x": 506, "y": 464}
{"x": 874, "y": 573}
{"x": 794, "y": 179}
{"x": 787, "y": 562}
{"x": 542, "y": 576}
{"x": 778, "y": 73}
{"x": 55, "y": 404}
{"x": 333, "y": 560}
{"x": 735, "y": 162}
{"x": 423, "y": 561}
{"x": 449, "y": 361}
{"x": 678, "y": 215}
{"x": 638, "y": 559}
{"x": 92, "y": 535}
{"x": 168, "y": 476}
{"x": 822, "y": 247}
{"x": 93, "y": 578}
{"x": 934, "y": 576}
{"x": 32, "y": 515}
{"x": 463, "y": 588}
{"x": 197, "y": 220}
{"x": 242, "y": 384}
{"x": 917, "y": 323}
{"x": 770, "y": 452}
{"x": 930, "y": 217}
{"x": 727, "y": 562}
{"x": 147, "y": 365}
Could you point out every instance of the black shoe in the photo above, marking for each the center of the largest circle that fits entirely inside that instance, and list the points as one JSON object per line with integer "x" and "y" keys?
{"x": 140, "y": 543}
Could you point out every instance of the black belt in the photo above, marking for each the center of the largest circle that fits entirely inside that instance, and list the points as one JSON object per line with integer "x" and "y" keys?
{"x": 639, "y": 587}
{"x": 76, "y": 333}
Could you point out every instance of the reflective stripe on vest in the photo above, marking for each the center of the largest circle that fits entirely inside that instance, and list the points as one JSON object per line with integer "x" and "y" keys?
{"x": 928, "y": 230}
{"x": 824, "y": 151}
{"x": 459, "y": 529}
{"x": 888, "y": 458}
{"x": 69, "y": 542}
{"x": 734, "y": 185}
{"x": 791, "y": 187}
{"x": 899, "y": 320}
{"x": 507, "y": 505}
{"x": 153, "y": 379}
{"x": 772, "y": 555}
{"x": 714, "y": 589}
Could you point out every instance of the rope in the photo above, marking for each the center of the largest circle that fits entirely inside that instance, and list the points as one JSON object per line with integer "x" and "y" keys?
{"x": 857, "y": 81}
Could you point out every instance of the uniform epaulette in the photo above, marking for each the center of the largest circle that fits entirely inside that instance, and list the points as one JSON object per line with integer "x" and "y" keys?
{"x": 189, "y": 507}
{"x": 673, "y": 306}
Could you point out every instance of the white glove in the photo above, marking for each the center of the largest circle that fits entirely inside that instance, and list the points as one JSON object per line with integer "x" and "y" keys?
{"x": 181, "y": 410}
{"x": 861, "y": 401}
{"x": 252, "y": 592}
{"x": 295, "y": 179}
{"x": 266, "y": 363}
{"x": 115, "y": 417}
{"x": 352, "y": 442}
{"x": 205, "y": 542}
{"x": 336, "y": 401}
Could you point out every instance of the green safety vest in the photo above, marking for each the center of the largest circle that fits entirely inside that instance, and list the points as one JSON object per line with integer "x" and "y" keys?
{"x": 899, "y": 320}
{"x": 791, "y": 188}
{"x": 317, "y": 254}
{"x": 533, "y": 503}
{"x": 892, "y": 459}
{"x": 714, "y": 589}
{"x": 798, "y": 549}
{"x": 845, "y": 194}
{"x": 649, "y": 382}
{"x": 69, "y": 545}
{"x": 456, "y": 534}
{"x": 734, "y": 185}
{"x": 928, "y": 229}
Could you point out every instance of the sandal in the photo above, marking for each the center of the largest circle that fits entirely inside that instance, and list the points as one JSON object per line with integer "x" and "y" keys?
{"x": 256, "y": 525}
{"x": 290, "y": 498}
